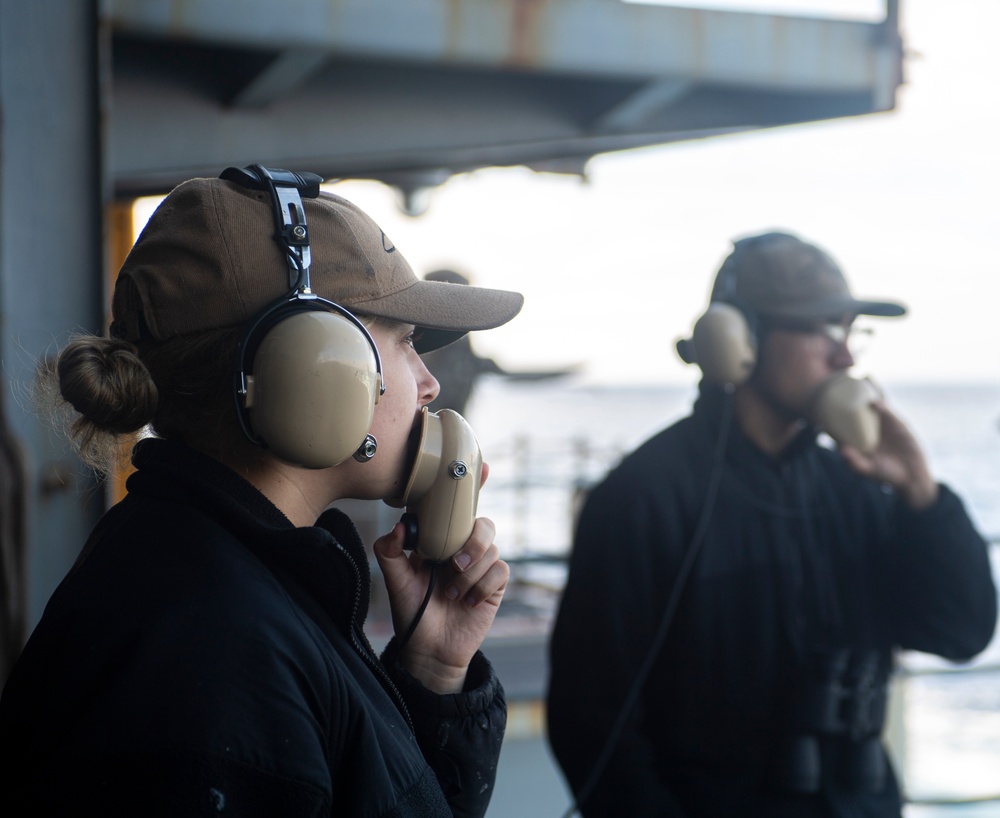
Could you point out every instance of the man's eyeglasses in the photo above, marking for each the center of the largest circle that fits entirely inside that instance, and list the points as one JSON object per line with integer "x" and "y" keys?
{"x": 857, "y": 338}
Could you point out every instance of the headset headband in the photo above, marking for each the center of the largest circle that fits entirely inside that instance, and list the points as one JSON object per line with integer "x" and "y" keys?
{"x": 286, "y": 190}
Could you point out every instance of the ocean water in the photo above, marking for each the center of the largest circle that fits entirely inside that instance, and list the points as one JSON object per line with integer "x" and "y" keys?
{"x": 545, "y": 441}
{"x": 551, "y": 436}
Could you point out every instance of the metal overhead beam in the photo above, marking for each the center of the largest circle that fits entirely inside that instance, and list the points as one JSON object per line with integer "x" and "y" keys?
{"x": 288, "y": 70}
{"x": 636, "y": 109}
{"x": 407, "y": 90}
{"x": 589, "y": 37}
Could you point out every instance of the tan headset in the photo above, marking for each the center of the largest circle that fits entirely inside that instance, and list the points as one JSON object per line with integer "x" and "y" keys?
{"x": 307, "y": 373}
{"x": 724, "y": 341}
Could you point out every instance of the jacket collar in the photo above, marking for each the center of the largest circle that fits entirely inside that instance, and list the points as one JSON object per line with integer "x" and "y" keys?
{"x": 324, "y": 566}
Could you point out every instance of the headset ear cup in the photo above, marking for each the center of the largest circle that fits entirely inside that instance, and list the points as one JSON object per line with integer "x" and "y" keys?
{"x": 724, "y": 344}
{"x": 312, "y": 394}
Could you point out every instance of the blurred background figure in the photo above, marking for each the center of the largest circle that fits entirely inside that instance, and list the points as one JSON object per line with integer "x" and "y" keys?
{"x": 739, "y": 587}
{"x": 458, "y": 366}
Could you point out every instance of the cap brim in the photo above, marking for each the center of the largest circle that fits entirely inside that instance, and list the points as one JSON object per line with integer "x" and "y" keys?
{"x": 886, "y": 309}
{"x": 444, "y": 312}
{"x": 835, "y": 307}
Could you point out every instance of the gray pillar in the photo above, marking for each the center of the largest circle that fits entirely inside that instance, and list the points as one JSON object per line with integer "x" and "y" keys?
{"x": 52, "y": 194}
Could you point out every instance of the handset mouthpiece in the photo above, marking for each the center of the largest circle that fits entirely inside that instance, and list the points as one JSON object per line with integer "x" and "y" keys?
{"x": 442, "y": 492}
{"x": 843, "y": 409}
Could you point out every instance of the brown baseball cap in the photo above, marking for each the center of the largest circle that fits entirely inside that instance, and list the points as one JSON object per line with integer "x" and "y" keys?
{"x": 778, "y": 274}
{"x": 207, "y": 259}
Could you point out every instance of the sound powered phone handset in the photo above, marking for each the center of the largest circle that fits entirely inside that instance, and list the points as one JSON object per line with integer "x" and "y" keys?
{"x": 442, "y": 493}
{"x": 843, "y": 409}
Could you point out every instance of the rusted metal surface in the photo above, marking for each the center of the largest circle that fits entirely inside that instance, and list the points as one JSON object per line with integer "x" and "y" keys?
{"x": 408, "y": 91}
{"x": 575, "y": 36}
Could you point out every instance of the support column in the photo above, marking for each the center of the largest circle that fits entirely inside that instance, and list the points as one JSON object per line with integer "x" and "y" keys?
{"x": 52, "y": 196}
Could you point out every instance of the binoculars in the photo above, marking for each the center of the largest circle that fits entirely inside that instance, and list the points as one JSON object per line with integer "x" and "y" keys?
{"x": 836, "y": 716}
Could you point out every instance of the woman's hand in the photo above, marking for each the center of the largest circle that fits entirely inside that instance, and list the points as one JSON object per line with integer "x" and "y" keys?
{"x": 898, "y": 461}
{"x": 466, "y": 597}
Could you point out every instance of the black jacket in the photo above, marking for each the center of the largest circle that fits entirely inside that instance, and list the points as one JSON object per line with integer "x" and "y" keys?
{"x": 206, "y": 657}
{"x": 802, "y": 559}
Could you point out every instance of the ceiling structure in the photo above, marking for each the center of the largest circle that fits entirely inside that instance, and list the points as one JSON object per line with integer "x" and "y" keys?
{"x": 411, "y": 91}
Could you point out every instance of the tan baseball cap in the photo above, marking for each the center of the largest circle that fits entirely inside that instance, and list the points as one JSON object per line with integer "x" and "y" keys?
{"x": 778, "y": 274}
{"x": 207, "y": 259}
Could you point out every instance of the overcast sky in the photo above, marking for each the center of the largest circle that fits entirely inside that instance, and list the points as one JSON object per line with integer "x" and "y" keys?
{"x": 616, "y": 268}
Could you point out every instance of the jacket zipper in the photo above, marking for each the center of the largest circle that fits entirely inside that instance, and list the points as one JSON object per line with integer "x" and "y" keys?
{"x": 365, "y": 651}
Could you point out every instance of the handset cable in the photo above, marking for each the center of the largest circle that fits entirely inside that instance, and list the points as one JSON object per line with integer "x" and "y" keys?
{"x": 423, "y": 606}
